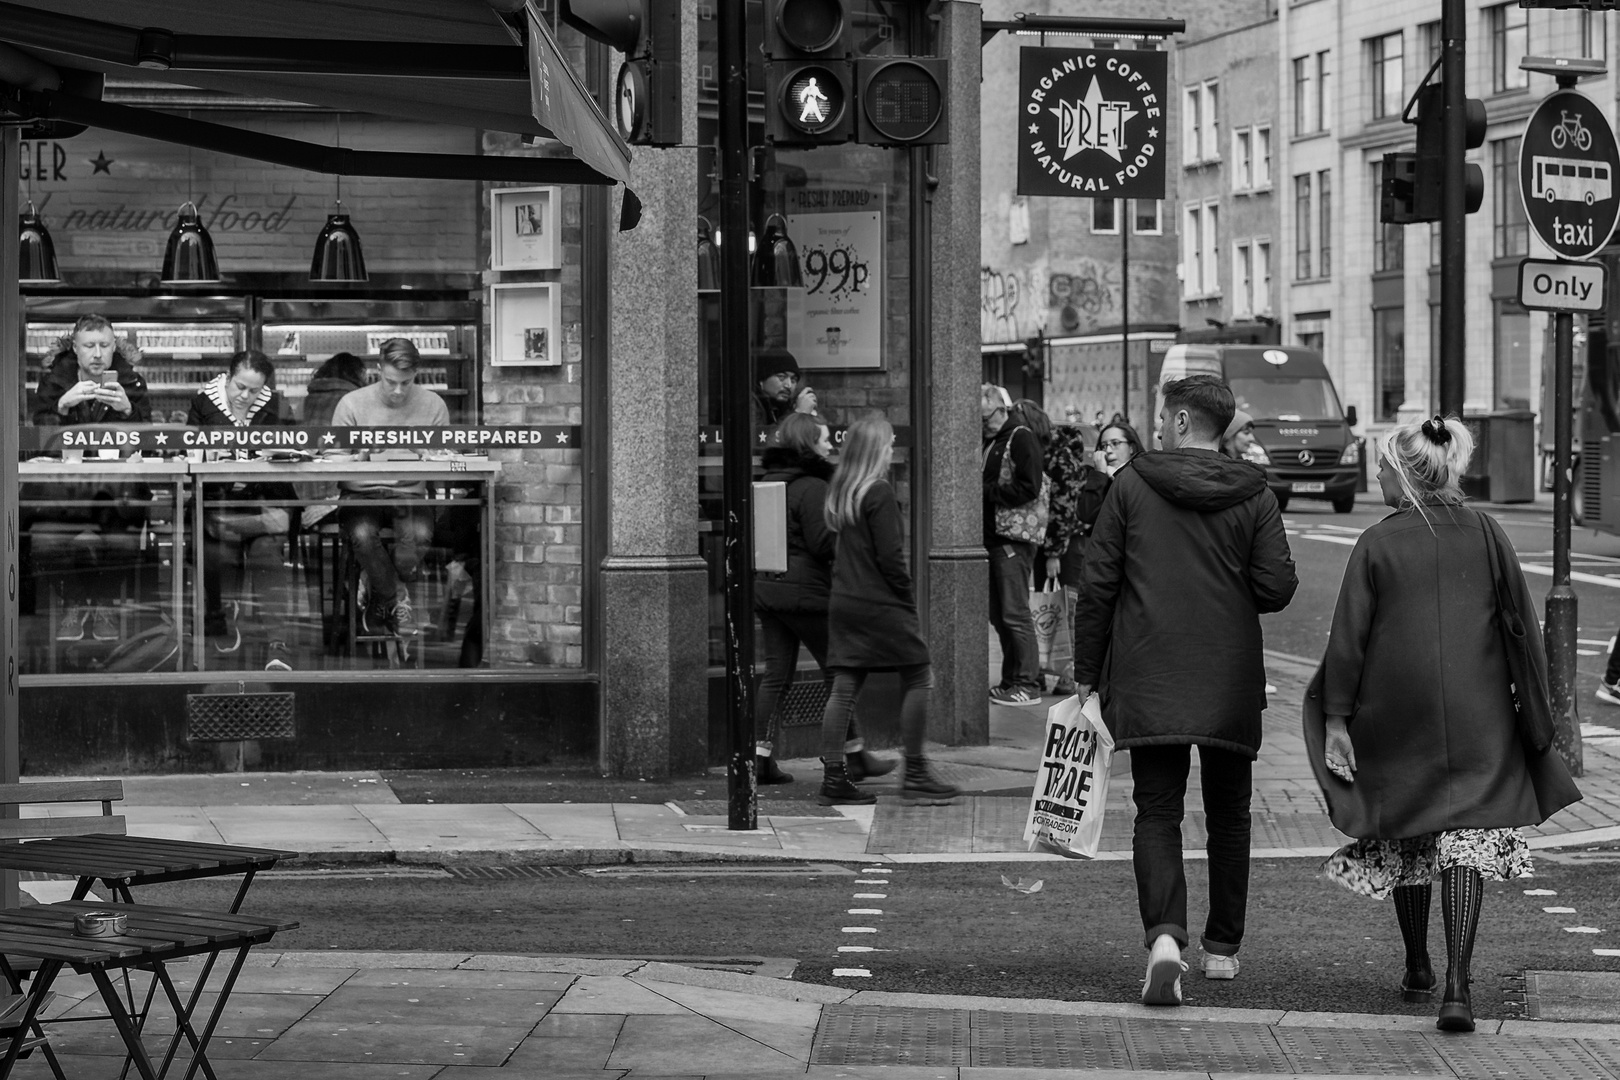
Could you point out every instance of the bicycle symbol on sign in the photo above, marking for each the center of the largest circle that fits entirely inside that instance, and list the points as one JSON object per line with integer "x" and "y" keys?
{"x": 1570, "y": 129}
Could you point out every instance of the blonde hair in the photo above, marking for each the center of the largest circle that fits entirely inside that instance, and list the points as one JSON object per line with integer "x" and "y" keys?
{"x": 863, "y": 461}
{"x": 1429, "y": 459}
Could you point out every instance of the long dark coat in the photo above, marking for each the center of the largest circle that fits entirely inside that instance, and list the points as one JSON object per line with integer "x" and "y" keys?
{"x": 804, "y": 588}
{"x": 1416, "y": 661}
{"x": 1187, "y": 553}
{"x": 872, "y": 614}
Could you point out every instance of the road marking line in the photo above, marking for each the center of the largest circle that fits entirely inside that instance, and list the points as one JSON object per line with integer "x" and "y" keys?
{"x": 876, "y": 870}
{"x": 1574, "y": 575}
{"x": 856, "y": 948}
{"x": 1606, "y": 952}
{"x": 1582, "y": 930}
{"x": 871, "y": 881}
{"x": 859, "y": 929}
{"x": 871, "y": 896}
{"x": 1347, "y": 541}
{"x": 851, "y": 973}
{"x": 1559, "y": 910}
{"x": 1540, "y": 892}
{"x": 1588, "y": 652}
{"x": 864, "y": 911}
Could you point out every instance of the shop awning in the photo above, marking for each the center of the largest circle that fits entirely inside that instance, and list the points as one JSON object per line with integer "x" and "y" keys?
{"x": 462, "y": 62}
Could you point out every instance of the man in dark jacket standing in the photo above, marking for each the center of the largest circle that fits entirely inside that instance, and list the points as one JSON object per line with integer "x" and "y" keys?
{"x": 1012, "y": 561}
{"x": 1187, "y": 553}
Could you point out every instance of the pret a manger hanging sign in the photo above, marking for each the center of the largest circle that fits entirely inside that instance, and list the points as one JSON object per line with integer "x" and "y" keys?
{"x": 1091, "y": 123}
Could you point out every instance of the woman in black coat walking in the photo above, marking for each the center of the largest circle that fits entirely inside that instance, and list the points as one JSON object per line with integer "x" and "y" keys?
{"x": 1411, "y": 723}
{"x": 792, "y": 606}
{"x": 872, "y": 617}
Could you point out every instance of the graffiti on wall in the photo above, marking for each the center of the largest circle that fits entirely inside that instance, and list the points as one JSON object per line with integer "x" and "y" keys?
{"x": 1000, "y": 317}
{"x": 1017, "y": 303}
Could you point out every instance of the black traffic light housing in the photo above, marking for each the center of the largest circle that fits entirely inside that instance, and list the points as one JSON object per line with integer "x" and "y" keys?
{"x": 810, "y": 95}
{"x": 647, "y": 99}
{"x": 901, "y": 100}
{"x": 1397, "y": 201}
{"x": 1414, "y": 186}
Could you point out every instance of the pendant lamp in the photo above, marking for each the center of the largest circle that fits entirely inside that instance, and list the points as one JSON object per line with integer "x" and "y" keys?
{"x": 189, "y": 258}
{"x": 708, "y": 256}
{"x": 776, "y": 264}
{"x": 337, "y": 251}
{"x": 37, "y": 262}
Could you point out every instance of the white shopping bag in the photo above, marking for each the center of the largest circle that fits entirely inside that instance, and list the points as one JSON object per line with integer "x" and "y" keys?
{"x": 1071, "y": 788}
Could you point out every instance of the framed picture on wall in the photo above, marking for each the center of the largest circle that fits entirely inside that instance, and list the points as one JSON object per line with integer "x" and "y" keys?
{"x": 524, "y": 228}
{"x": 525, "y": 325}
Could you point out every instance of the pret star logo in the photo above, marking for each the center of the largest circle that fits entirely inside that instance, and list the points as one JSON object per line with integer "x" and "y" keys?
{"x": 1093, "y": 123}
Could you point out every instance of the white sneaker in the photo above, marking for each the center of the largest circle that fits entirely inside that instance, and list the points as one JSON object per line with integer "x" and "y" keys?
{"x": 1163, "y": 983}
{"x": 1220, "y": 967}
{"x": 1608, "y": 693}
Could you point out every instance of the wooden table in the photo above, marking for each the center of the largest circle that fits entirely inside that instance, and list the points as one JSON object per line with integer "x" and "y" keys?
{"x": 123, "y": 862}
{"x": 155, "y": 936}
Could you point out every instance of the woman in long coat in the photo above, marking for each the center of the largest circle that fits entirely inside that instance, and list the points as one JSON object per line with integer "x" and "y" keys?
{"x": 872, "y": 617}
{"x": 1411, "y": 722}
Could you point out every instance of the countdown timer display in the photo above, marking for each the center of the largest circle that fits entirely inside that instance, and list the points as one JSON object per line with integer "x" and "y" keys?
{"x": 902, "y": 100}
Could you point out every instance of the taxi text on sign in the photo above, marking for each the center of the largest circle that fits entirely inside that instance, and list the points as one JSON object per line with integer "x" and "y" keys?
{"x": 1562, "y": 286}
{"x": 1567, "y": 166}
{"x": 1091, "y": 123}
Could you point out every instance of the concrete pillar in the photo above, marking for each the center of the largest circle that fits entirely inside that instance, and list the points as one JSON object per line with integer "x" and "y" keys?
{"x": 958, "y": 573}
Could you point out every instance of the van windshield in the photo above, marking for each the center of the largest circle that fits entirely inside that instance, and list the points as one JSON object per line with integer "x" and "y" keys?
{"x": 1287, "y": 399}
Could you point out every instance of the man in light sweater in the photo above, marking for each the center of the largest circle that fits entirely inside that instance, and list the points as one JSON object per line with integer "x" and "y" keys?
{"x": 394, "y": 400}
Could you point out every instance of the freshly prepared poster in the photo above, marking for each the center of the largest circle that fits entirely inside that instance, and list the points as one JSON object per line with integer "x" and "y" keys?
{"x": 836, "y": 320}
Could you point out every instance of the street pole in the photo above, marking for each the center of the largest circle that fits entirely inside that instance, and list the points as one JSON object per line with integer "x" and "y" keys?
{"x": 11, "y": 337}
{"x": 1453, "y": 211}
{"x": 1561, "y": 603}
{"x": 1125, "y": 310}
{"x": 736, "y": 407}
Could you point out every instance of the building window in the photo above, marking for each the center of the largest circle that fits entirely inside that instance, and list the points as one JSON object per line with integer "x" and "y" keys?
{"x": 1594, "y": 35}
{"x": 1304, "y": 107}
{"x": 1431, "y": 42}
{"x": 1302, "y": 227}
{"x": 1512, "y": 356}
{"x": 1262, "y": 158}
{"x": 1200, "y": 245}
{"x": 1324, "y": 216}
{"x": 1387, "y": 78}
{"x": 1434, "y": 244}
{"x": 1200, "y": 127}
{"x": 1387, "y": 253}
{"x": 1511, "y": 232}
{"x": 1146, "y": 217}
{"x": 1509, "y": 31}
{"x": 1262, "y": 277}
{"x": 1211, "y": 245}
{"x": 1242, "y": 280}
{"x": 1389, "y": 359}
{"x": 1242, "y": 160}
{"x": 1322, "y": 77}
{"x": 1105, "y": 215}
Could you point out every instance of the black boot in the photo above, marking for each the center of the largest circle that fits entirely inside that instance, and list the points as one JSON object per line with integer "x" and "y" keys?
{"x": 836, "y": 790}
{"x": 863, "y": 765}
{"x": 1461, "y": 891}
{"x": 766, "y": 771}
{"x": 921, "y": 787}
{"x": 1412, "y": 912}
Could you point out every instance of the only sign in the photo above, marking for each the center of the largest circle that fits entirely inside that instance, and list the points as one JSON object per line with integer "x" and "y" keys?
{"x": 1567, "y": 174}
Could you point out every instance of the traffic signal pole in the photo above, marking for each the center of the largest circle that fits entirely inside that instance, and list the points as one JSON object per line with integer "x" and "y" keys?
{"x": 736, "y": 407}
{"x": 1453, "y": 213}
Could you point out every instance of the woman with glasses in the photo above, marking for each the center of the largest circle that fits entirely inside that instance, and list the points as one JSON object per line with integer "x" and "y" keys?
{"x": 1116, "y": 445}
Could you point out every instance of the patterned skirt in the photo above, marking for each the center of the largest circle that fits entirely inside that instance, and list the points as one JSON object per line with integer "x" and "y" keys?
{"x": 1374, "y": 867}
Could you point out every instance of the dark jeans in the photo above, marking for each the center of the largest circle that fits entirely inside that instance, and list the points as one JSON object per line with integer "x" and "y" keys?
{"x": 1011, "y": 567}
{"x": 916, "y": 681}
{"x": 413, "y": 530}
{"x": 782, "y": 633}
{"x": 1611, "y": 674}
{"x": 1160, "y": 777}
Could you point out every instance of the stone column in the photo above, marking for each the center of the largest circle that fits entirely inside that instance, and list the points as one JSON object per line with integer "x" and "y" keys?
{"x": 654, "y": 585}
{"x": 958, "y": 598}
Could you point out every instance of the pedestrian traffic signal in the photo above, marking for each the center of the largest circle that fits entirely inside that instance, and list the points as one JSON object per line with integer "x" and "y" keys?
{"x": 809, "y": 76}
{"x": 1423, "y": 173}
{"x": 647, "y": 102}
{"x": 901, "y": 100}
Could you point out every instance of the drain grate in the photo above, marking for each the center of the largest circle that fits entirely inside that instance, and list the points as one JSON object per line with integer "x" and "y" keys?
{"x": 767, "y": 808}
{"x": 511, "y": 873}
{"x": 874, "y": 1035}
{"x": 1033, "y": 1041}
{"x": 1373, "y": 1053}
{"x": 1225, "y": 1048}
{"x": 1521, "y": 1059}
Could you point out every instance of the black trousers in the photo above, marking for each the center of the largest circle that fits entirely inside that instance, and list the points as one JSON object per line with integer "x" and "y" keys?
{"x": 1159, "y": 774}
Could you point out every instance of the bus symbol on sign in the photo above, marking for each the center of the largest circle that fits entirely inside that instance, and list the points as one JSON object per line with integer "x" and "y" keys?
{"x": 1567, "y": 164}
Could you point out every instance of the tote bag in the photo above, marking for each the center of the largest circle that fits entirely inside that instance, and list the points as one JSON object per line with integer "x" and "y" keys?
{"x": 1049, "y": 607}
{"x": 1027, "y": 521}
{"x": 1071, "y": 786}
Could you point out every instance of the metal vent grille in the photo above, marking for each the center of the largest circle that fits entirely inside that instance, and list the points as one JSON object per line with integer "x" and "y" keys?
{"x": 234, "y": 717}
{"x": 804, "y": 702}
{"x": 1590, "y": 476}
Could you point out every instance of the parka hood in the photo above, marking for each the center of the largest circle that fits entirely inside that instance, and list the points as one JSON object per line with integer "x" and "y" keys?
{"x": 1201, "y": 480}
{"x": 784, "y": 463}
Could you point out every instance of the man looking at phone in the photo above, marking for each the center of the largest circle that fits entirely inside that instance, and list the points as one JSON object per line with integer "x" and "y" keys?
{"x": 85, "y": 550}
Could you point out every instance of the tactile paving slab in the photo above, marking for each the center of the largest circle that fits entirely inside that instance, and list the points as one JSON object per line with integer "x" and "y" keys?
{"x": 1371, "y": 1053}
{"x": 1520, "y": 1059}
{"x": 1606, "y": 1052}
{"x": 1033, "y": 1041}
{"x": 1194, "y": 1047}
{"x": 875, "y": 1035}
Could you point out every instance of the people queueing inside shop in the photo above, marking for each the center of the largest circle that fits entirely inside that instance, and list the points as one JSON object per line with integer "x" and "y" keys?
{"x": 872, "y": 620}
{"x": 1012, "y": 535}
{"x": 792, "y": 605}
{"x": 87, "y": 551}
{"x": 776, "y": 375}
{"x": 394, "y": 400}
{"x": 241, "y": 535}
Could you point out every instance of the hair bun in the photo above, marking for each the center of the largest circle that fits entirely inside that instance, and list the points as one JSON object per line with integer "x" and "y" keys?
{"x": 1435, "y": 431}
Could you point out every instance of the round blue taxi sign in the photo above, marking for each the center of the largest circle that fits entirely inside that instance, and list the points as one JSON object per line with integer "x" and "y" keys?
{"x": 1568, "y": 162}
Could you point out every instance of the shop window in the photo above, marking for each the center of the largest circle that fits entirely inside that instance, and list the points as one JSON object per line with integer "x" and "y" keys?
{"x": 1508, "y": 29}
{"x": 1386, "y": 85}
{"x": 1389, "y": 359}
